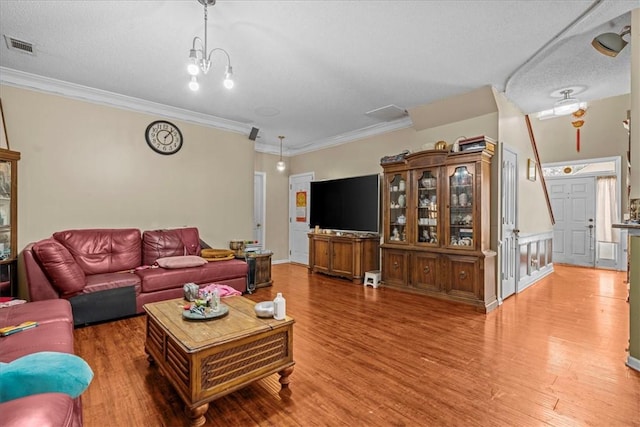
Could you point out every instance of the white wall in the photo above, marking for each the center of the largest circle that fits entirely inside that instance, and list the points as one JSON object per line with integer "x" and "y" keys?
{"x": 87, "y": 166}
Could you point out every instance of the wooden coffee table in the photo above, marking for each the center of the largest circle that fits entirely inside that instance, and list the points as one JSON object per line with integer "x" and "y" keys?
{"x": 205, "y": 360}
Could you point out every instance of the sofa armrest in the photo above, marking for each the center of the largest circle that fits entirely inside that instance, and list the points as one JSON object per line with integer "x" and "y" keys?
{"x": 39, "y": 286}
{"x": 46, "y": 409}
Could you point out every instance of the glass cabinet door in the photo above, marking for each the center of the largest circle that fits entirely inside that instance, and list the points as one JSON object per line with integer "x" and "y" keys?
{"x": 397, "y": 218}
{"x": 5, "y": 210}
{"x": 427, "y": 208}
{"x": 461, "y": 201}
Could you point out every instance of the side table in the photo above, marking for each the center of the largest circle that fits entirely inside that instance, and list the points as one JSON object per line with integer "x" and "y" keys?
{"x": 262, "y": 265}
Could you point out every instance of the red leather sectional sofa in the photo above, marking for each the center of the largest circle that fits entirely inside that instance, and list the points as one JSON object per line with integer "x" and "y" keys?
{"x": 108, "y": 273}
{"x": 53, "y": 333}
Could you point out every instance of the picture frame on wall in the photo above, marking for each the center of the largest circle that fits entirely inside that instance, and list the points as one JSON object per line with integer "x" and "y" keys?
{"x": 4, "y": 141}
{"x": 532, "y": 170}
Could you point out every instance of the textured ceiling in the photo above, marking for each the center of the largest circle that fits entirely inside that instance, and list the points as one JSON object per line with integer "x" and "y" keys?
{"x": 310, "y": 70}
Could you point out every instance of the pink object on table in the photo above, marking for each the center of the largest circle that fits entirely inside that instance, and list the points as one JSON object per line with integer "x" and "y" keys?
{"x": 223, "y": 290}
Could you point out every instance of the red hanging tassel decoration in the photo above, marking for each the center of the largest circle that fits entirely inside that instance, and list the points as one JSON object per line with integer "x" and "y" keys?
{"x": 578, "y": 124}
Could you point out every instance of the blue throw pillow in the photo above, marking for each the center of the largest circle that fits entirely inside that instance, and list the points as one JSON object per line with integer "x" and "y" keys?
{"x": 44, "y": 372}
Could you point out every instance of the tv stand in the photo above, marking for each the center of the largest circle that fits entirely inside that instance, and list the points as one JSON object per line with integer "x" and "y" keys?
{"x": 347, "y": 255}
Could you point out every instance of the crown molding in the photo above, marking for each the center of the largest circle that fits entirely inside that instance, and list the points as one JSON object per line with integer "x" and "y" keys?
{"x": 344, "y": 138}
{"x": 20, "y": 79}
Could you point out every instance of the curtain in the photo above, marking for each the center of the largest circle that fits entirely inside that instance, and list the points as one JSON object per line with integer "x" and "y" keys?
{"x": 607, "y": 210}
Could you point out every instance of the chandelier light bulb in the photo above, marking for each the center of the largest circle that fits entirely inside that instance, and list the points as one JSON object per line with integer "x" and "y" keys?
{"x": 193, "y": 84}
{"x": 228, "y": 78}
{"x": 193, "y": 69}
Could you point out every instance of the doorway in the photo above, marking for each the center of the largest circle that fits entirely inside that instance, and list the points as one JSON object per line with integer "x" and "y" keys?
{"x": 299, "y": 202}
{"x": 573, "y": 204}
{"x": 586, "y": 199}
{"x": 509, "y": 232}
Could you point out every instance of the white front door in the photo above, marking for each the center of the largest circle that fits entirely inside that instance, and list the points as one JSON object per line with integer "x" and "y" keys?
{"x": 259, "y": 186}
{"x": 299, "y": 200}
{"x": 508, "y": 243}
{"x": 573, "y": 204}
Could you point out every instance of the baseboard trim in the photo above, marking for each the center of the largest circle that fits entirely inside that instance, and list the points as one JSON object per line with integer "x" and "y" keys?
{"x": 633, "y": 363}
{"x": 534, "y": 278}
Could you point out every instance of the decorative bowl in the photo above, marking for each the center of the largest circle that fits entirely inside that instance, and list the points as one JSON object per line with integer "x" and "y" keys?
{"x": 441, "y": 145}
{"x": 264, "y": 309}
{"x": 236, "y": 245}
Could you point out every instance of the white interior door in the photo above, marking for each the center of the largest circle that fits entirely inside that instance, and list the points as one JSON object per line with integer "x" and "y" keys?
{"x": 573, "y": 204}
{"x": 299, "y": 201}
{"x": 259, "y": 214}
{"x": 508, "y": 242}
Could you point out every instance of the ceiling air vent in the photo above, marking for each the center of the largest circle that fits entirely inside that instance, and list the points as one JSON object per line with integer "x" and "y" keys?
{"x": 387, "y": 114}
{"x": 19, "y": 45}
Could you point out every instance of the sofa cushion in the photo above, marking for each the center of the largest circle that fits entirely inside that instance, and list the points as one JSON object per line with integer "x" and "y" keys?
{"x": 185, "y": 261}
{"x": 155, "y": 279}
{"x": 44, "y": 372}
{"x": 103, "y": 282}
{"x": 103, "y": 250}
{"x": 168, "y": 243}
{"x": 50, "y": 311}
{"x": 63, "y": 271}
{"x": 54, "y": 336}
{"x": 46, "y": 409}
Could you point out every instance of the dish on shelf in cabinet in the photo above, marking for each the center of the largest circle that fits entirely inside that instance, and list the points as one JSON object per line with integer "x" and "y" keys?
{"x": 428, "y": 236}
{"x": 427, "y": 221}
{"x": 464, "y": 241}
{"x": 428, "y": 183}
{"x": 462, "y": 220}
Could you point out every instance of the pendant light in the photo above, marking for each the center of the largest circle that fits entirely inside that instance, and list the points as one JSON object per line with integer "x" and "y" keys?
{"x": 280, "y": 165}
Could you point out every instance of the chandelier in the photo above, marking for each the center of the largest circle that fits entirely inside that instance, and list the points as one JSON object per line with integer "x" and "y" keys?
{"x": 200, "y": 60}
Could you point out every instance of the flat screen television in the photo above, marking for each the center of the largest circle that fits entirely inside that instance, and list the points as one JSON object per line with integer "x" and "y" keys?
{"x": 346, "y": 204}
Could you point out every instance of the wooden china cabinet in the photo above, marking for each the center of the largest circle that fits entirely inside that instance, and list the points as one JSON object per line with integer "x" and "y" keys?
{"x": 436, "y": 225}
{"x": 8, "y": 221}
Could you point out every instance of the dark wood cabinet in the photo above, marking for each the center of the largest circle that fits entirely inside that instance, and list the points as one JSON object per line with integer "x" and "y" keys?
{"x": 436, "y": 225}
{"x": 345, "y": 255}
{"x": 319, "y": 254}
{"x": 426, "y": 272}
{"x": 8, "y": 222}
{"x": 395, "y": 266}
{"x": 262, "y": 276}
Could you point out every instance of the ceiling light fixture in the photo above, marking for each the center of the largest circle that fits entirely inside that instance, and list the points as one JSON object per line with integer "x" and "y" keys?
{"x": 280, "y": 165}
{"x": 200, "y": 60}
{"x": 611, "y": 44}
{"x": 567, "y": 105}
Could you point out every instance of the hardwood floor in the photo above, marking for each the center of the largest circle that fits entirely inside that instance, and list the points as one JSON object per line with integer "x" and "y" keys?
{"x": 552, "y": 355}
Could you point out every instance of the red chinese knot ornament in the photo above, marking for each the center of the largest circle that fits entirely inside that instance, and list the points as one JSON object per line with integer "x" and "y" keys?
{"x": 577, "y": 123}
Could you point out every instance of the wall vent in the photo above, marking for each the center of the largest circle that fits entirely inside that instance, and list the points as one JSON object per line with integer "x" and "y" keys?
{"x": 19, "y": 45}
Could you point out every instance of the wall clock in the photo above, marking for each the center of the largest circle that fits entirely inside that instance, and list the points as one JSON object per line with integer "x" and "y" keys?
{"x": 163, "y": 137}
